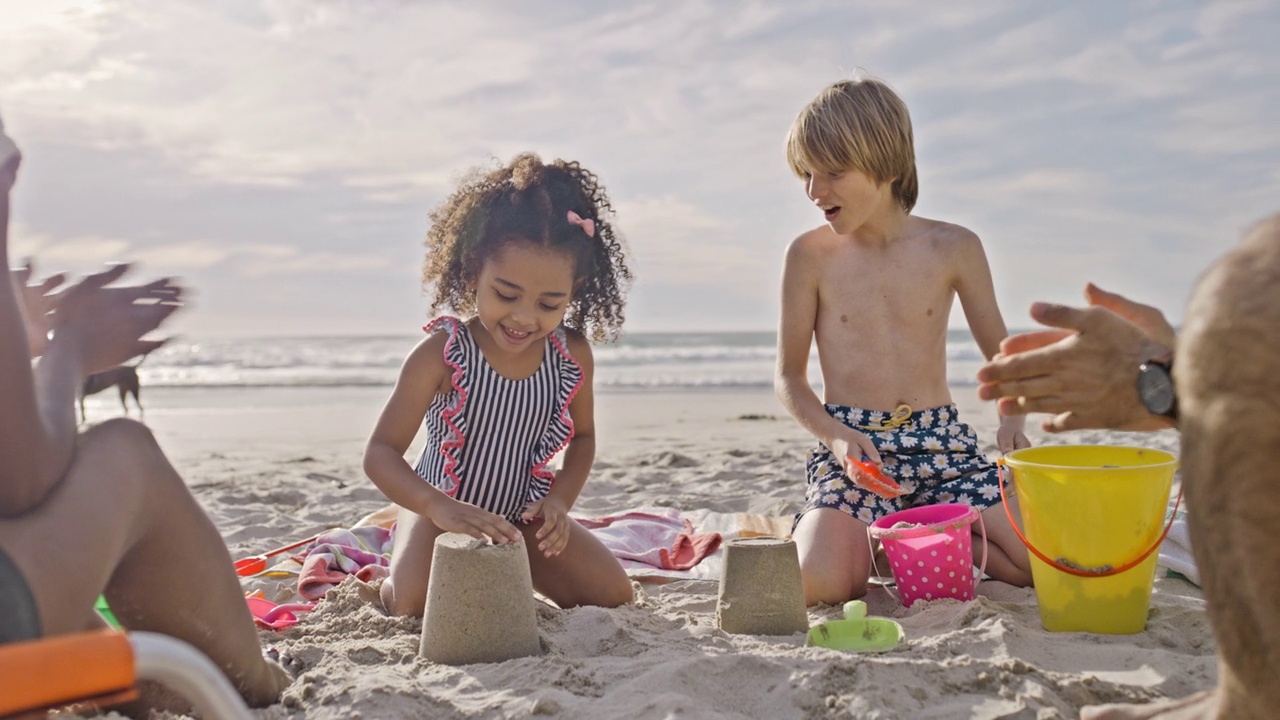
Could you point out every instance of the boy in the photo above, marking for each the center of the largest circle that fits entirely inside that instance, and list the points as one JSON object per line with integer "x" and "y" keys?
{"x": 874, "y": 286}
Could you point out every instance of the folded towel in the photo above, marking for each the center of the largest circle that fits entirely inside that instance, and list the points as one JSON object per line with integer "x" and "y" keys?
{"x": 363, "y": 551}
{"x": 1175, "y": 551}
{"x": 662, "y": 539}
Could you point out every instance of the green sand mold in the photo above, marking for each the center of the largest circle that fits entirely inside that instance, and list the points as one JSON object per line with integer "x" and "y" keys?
{"x": 856, "y": 631}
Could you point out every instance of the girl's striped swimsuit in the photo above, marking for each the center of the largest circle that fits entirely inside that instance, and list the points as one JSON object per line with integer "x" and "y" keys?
{"x": 489, "y": 439}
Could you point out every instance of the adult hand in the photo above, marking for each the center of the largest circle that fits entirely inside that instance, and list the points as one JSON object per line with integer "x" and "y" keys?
{"x": 105, "y": 326}
{"x": 1085, "y": 371}
{"x": 37, "y": 302}
{"x": 553, "y": 536}
{"x": 1010, "y": 435}
{"x": 453, "y": 515}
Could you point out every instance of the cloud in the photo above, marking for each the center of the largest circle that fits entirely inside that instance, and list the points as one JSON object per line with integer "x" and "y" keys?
{"x": 80, "y": 254}
{"x": 279, "y": 262}
{"x": 1118, "y": 133}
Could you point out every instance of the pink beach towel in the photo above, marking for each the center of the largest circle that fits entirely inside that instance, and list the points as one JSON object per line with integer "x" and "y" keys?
{"x": 666, "y": 541}
{"x": 363, "y": 551}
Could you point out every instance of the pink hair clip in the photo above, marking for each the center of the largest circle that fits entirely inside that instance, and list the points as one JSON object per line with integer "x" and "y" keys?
{"x": 588, "y": 226}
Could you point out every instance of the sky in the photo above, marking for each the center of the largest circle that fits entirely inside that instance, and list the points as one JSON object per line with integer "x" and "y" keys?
{"x": 281, "y": 157}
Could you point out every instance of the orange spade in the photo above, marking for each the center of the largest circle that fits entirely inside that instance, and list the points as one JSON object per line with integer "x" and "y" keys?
{"x": 873, "y": 478}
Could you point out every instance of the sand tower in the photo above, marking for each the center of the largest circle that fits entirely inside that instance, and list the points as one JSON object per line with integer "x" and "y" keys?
{"x": 760, "y": 588}
{"x": 480, "y": 605}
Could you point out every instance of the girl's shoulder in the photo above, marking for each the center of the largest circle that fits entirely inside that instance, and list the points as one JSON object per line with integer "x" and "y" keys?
{"x": 576, "y": 344}
{"x": 441, "y": 334}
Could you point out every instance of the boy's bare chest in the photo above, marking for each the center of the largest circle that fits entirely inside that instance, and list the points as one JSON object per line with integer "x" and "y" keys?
{"x": 897, "y": 288}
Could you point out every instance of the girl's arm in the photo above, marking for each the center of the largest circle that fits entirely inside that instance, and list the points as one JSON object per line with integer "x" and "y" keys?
{"x": 423, "y": 374}
{"x": 581, "y": 451}
{"x": 578, "y": 457}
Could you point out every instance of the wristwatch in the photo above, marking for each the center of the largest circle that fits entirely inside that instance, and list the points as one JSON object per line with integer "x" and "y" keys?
{"x": 1156, "y": 389}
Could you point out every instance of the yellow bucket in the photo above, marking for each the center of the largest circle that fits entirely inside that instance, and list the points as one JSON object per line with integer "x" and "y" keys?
{"x": 1093, "y": 516}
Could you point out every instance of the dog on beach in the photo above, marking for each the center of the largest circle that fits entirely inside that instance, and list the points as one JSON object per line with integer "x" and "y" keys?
{"x": 123, "y": 377}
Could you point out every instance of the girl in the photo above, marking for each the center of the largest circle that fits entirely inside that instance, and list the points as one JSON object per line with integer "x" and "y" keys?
{"x": 526, "y": 255}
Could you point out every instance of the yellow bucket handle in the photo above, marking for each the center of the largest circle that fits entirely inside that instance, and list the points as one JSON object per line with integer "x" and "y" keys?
{"x": 1070, "y": 570}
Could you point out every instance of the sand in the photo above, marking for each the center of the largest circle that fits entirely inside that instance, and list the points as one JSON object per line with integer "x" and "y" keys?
{"x": 272, "y": 466}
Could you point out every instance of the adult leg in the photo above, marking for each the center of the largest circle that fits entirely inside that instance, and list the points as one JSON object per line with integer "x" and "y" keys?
{"x": 584, "y": 573}
{"x": 1229, "y": 402}
{"x": 1007, "y": 558}
{"x": 1228, "y": 376}
{"x": 404, "y": 592}
{"x": 835, "y": 556}
{"x": 123, "y": 522}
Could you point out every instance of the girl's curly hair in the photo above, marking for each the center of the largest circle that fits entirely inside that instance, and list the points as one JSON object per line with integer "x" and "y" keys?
{"x": 528, "y": 200}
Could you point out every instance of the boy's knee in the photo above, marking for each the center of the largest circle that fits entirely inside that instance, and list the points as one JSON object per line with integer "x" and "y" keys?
{"x": 825, "y": 588}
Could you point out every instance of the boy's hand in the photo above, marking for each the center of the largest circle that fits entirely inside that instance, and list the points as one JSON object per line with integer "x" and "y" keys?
{"x": 553, "y": 536}
{"x": 849, "y": 443}
{"x": 1010, "y": 435}
{"x": 456, "y": 516}
{"x": 104, "y": 326}
{"x": 857, "y": 449}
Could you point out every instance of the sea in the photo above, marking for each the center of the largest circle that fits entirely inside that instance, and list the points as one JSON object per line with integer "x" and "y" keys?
{"x": 638, "y": 362}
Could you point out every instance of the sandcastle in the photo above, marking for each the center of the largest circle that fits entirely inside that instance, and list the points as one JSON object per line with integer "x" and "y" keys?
{"x": 761, "y": 592}
{"x": 480, "y": 605}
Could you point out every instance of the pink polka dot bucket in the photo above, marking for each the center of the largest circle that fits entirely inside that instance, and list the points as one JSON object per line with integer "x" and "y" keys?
{"x": 930, "y": 551}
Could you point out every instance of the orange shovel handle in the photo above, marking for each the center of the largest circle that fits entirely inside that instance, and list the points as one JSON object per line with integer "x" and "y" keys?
{"x": 258, "y": 563}
{"x": 1080, "y": 572}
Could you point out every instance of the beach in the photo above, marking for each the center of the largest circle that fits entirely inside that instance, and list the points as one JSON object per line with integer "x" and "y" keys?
{"x": 272, "y": 465}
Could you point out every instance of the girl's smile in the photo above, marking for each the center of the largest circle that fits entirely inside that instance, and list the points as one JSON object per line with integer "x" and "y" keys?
{"x": 522, "y": 294}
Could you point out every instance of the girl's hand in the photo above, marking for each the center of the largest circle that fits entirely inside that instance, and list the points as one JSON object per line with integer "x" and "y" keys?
{"x": 553, "y": 536}
{"x": 456, "y": 516}
{"x": 1010, "y": 435}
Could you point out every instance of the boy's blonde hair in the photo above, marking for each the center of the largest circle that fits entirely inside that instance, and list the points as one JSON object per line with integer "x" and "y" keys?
{"x": 857, "y": 124}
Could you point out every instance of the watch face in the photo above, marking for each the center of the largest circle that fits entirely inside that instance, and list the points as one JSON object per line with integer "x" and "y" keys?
{"x": 1155, "y": 387}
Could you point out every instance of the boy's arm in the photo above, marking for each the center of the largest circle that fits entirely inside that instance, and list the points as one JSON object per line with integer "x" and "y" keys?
{"x": 977, "y": 296}
{"x": 797, "y": 320}
{"x": 554, "y": 508}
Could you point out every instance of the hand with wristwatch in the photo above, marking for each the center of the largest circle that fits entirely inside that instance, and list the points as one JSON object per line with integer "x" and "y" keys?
{"x": 1108, "y": 365}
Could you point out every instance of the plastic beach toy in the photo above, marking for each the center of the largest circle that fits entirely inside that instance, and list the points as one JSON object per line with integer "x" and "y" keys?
{"x": 276, "y": 617}
{"x": 105, "y": 611}
{"x": 1093, "y": 518}
{"x": 874, "y": 479}
{"x": 258, "y": 563}
{"x": 856, "y": 631}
